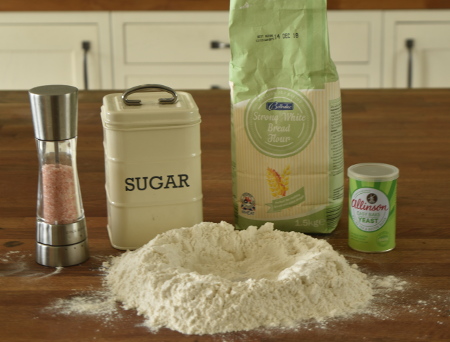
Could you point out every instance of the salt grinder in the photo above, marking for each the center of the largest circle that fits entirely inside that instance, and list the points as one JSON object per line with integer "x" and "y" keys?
{"x": 61, "y": 225}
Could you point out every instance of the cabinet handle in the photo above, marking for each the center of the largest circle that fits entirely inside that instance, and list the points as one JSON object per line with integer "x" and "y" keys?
{"x": 86, "y": 46}
{"x": 410, "y": 45}
{"x": 215, "y": 44}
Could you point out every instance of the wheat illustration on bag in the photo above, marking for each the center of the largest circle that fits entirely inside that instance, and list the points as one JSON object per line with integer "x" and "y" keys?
{"x": 278, "y": 184}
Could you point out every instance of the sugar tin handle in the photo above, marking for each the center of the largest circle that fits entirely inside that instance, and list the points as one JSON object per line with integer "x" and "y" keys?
{"x": 150, "y": 88}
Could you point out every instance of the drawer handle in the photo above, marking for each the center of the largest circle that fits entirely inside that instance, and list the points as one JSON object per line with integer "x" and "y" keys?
{"x": 149, "y": 88}
{"x": 410, "y": 45}
{"x": 215, "y": 44}
{"x": 86, "y": 46}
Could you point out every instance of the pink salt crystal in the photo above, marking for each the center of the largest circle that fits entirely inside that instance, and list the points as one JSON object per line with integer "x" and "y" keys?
{"x": 59, "y": 194}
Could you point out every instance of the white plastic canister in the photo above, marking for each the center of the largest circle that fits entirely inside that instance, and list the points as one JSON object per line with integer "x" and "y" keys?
{"x": 152, "y": 163}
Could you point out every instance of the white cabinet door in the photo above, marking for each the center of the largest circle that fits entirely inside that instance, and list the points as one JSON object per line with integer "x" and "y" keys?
{"x": 46, "y": 48}
{"x": 355, "y": 45}
{"x": 429, "y": 55}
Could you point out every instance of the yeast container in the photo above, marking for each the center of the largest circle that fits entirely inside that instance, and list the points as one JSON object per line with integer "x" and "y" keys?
{"x": 152, "y": 163}
{"x": 372, "y": 207}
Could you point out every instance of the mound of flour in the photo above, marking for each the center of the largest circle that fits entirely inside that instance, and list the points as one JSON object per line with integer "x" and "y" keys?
{"x": 211, "y": 278}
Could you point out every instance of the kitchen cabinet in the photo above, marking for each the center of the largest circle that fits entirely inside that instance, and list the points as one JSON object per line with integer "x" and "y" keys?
{"x": 47, "y": 48}
{"x": 355, "y": 46}
{"x": 184, "y": 50}
{"x": 426, "y": 63}
{"x": 190, "y": 49}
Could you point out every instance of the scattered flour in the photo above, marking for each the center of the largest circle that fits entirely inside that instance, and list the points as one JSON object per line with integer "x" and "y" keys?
{"x": 19, "y": 263}
{"x": 389, "y": 283}
{"x": 211, "y": 278}
{"x": 97, "y": 303}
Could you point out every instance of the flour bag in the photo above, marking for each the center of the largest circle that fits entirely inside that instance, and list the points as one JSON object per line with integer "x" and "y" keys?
{"x": 287, "y": 148}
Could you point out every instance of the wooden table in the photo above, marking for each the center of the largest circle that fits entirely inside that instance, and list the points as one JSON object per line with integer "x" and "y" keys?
{"x": 409, "y": 129}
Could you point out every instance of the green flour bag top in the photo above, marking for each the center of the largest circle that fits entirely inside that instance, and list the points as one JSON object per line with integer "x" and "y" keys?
{"x": 287, "y": 147}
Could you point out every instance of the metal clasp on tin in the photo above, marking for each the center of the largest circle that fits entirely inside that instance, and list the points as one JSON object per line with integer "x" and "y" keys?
{"x": 150, "y": 88}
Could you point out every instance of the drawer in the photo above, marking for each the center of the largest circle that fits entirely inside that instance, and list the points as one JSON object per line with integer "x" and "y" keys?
{"x": 175, "y": 42}
{"x": 171, "y": 48}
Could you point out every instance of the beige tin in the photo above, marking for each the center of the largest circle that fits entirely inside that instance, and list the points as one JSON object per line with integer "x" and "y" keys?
{"x": 152, "y": 163}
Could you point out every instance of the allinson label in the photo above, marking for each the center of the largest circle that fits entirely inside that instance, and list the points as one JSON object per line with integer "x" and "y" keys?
{"x": 369, "y": 209}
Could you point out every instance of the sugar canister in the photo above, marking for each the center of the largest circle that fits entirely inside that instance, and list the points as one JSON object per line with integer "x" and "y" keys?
{"x": 152, "y": 163}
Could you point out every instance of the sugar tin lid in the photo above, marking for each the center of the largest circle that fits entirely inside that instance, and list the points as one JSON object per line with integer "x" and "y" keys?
{"x": 145, "y": 106}
{"x": 373, "y": 172}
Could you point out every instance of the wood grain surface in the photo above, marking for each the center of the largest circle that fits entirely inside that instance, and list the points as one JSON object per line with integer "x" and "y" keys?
{"x": 406, "y": 128}
{"x": 200, "y": 5}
